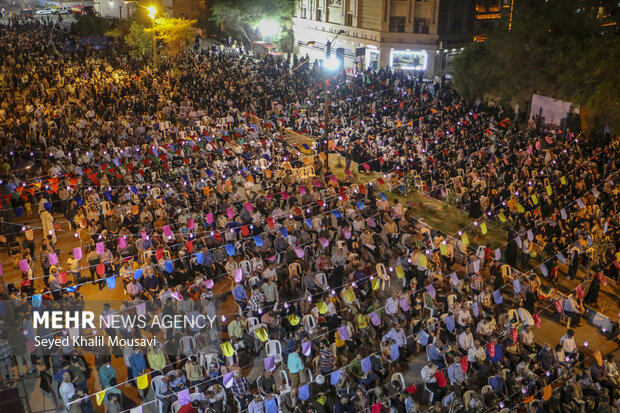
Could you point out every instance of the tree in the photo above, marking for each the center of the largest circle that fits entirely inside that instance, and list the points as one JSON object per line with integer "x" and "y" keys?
{"x": 556, "y": 48}
{"x": 137, "y": 34}
{"x": 204, "y": 16}
{"x": 599, "y": 86}
{"x": 177, "y": 34}
{"x": 245, "y": 16}
{"x": 90, "y": 25}
{"x": 133, "y": 33}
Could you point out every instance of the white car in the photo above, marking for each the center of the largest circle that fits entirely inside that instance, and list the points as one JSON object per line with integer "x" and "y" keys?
{"x": 45, "y": 11}
{"x": 64, "y": 10}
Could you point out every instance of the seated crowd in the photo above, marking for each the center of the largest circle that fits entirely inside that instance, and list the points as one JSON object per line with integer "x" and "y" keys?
{"x": 182, "y": 185}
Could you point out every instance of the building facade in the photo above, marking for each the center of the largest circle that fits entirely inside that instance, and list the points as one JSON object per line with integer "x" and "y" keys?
{"x": 121, "y": 9}
{"x": 490, "y": 15}
{"x": 115, "y": 9}
{"x": 416, "y": 35}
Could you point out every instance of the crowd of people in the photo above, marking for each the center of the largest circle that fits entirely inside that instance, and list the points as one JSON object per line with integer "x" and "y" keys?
{"x": 181, "y": 184}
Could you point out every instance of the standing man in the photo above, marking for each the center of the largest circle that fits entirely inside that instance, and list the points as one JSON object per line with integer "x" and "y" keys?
{"x": 428, "y": 375}
{"x": 517, "y": 112}
{"x": 575, "y": 259}
{"x": 240, "y": 296}
{"x": 348, "y": 158}
{"x": 47, "y": 223}
{"x": 66, "y": 389}
{"x": 74, "y": 267}
{"x": 138, "y": 365}
{"x": 106, "y": 374}
{"x": 270, "y": 292}
{"x": 294, "y": 365}
{"x": 6, "y": 362}
{"x": 18, "y": 342}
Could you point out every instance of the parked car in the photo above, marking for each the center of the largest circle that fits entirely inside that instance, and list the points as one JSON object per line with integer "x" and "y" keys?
{"x": 27, "y": 12}
{"x": 88, "y": 11}
{"x": 64, "y": 10}
{"x": 83, "y": 10}
{"x": 47, "y": 10}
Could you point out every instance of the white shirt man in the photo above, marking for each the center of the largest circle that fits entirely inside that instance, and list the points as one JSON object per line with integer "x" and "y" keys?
{"x": 127, "y": 352}
{"x": 571, "y": 305}
{"x": 428, "y": 373}
{"x": 66, "y": 390}
{"x": 466, "y": 339}
{"x": 269, "y": 273}
{"x": 527, "y": 336}
{"x": 485, "y": 327}
{"x": 568, "y": 342}
{"x": 463, "y": 317}
{"x": 476, "y": 353}
{"x": 391, "y": 307}
{"x": 612, "y": 368}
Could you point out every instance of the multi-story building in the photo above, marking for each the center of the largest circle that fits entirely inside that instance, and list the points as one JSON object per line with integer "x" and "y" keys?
{"x": 490, "y": 15}
{"x": 417, "y": 35}
{"x": 187, "y": 9}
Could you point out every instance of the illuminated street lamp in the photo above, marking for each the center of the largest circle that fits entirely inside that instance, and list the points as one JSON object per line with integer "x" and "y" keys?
{"x": 152, "y": 11}
{"x": 332, "y": 63}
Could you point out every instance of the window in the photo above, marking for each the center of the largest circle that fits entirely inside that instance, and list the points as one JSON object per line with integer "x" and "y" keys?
{"x": 349, "y": 21}
{"x": 318, "y": 14}
{"x": 397, "y": 24}
{"x": 303, "y": 13}
{"x": 420, "y": 26}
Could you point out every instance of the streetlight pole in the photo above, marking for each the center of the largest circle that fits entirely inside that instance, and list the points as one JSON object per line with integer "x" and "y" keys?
{"x": 326, "y": 114}
{"x": 152, "y": 12}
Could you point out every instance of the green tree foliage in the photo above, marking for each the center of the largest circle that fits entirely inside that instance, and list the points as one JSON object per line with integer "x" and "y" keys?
{"x": 245, "y": 15}
{"x": 133, "y": 33}
{"x": 176, "y": 34}
{"x": 556, "y": 48}
{"x": 91, "y": 25}
{"x": 599, "y": 88}
{"x": 204, "y": 16}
